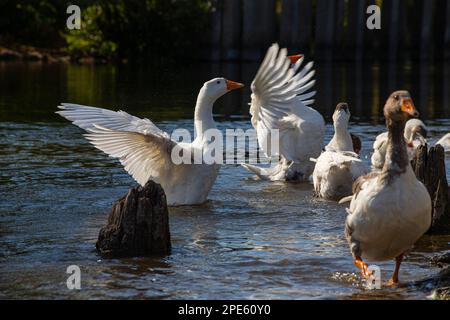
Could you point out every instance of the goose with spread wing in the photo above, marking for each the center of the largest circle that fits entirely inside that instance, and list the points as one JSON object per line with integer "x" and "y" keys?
{"x": 415, "y": 136}
{"x": 280, "y": 101}
{"x": 339, "y": 165}
{"x": 146, "y": 152}
{"x": 390, "y": 209}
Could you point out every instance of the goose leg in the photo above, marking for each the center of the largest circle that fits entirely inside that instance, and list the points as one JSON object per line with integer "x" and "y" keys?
{"x": 394, "y": 278}
{"x": 361, "y": 265}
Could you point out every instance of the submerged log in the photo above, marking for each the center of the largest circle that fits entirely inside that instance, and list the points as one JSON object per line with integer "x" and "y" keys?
{"x": 429, "y": 167}
{"x": 138, "y": 224}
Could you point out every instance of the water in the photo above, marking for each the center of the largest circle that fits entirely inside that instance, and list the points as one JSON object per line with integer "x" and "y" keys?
{"x": 252, "y": 239}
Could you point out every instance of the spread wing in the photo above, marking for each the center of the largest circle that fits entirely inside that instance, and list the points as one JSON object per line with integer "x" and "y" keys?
{"x": 276, "y": 90}
{"x": 86, "y": 117}
{"x": 143, "y": 156}
{"x": 141, "y": 147}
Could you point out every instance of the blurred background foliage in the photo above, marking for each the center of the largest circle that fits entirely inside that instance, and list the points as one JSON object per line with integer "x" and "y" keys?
{"x": 225, "y": 30}
{"x": 110, "y": 29}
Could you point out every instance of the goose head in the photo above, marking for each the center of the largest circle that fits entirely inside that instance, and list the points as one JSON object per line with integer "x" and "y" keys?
{"x": 217, "y": 87}
{"x": 209, "y": 93}
{"x": 294, "y": 58}
{"x": 399, "y": 107}
{"x": 415, "y": 128}
{"x": 341, "y": 115}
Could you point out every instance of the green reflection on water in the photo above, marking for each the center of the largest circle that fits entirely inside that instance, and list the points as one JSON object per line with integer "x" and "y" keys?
{"x": 31, "y": 91}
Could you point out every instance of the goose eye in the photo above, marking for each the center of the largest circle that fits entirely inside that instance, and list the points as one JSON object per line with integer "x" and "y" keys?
{"x": 396, "y": 97}
{"x": 218, "y": 82}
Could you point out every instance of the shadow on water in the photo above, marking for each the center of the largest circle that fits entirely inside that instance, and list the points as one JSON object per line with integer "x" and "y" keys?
{"x": 252, "y": 239}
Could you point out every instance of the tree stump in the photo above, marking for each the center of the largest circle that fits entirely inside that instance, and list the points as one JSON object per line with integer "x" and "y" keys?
{"x": 138, "y": 224}
{"x": 429, "y": 167}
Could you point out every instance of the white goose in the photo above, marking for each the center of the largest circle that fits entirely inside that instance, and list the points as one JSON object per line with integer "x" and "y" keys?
{"x": 146, "y": 151}
{"x": 280, "y": 100}
{"x": 415, "y": 136}
{"x": 338, "y": 166}
{"x": 445, "y": 142}
{"x": 389, "y": 210}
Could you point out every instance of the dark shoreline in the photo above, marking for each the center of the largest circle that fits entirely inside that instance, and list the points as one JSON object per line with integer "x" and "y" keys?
{"x": 24, "y": 53}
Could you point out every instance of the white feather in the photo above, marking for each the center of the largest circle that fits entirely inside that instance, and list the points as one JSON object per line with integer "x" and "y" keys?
{"x": 145, "y": 151}
{"x": 338, "y": 166}
{"x": 279, "y": 101}
{"x": 445, "y": 142}
{"x": 414, "y": 141}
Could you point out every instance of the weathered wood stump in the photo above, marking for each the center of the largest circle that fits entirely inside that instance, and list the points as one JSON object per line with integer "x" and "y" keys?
{"x": 138, "y": 224}
{"x": 429, "y": 166}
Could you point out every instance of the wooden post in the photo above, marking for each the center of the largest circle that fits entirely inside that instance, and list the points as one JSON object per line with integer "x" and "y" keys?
{"x": 305, "y": 21}
{"x": 425, "y": 89}
{"x": 296, "y": 25}
{"x": 231, "y": 29}
{"x": 258, "y": 28}
{"x": 447, "y": 31}
{"x": 339, "y": 30}
{"x": 429, "y": 167}
{"x": 289, "y": 24}
{"x": 446, "y": 88}
{"x": 325, "y": 103}
{"x": 354, "y": 36}
{"x": 232, "y": 102}
{"x": 138, "y": 224}
{"x": 370, "y": 38}
{"x": 413, "y": 25}
{"x": 426, "y": 47}
{"x": 394, "y": 35}
{"x": 324, "y": 29}
{"x": 391, "y": 29}
{"x": 360, "y": 103}
{"x": 216, "y": 30}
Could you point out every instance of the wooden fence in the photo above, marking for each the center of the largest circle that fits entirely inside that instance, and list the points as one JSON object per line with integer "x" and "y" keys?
{"x": 330, "y": 29}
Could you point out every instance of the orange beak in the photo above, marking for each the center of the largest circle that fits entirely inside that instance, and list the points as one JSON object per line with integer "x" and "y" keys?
{"x": 294, "y": 58}
{"x": 231, "y": 85}
{"x": 409, "y": 108}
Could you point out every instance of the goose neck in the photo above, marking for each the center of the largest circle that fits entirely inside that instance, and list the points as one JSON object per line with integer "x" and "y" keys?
{"x": 397, "y": 160}
{"x": 203, "y": 116}
{"x": 342, "y": 138}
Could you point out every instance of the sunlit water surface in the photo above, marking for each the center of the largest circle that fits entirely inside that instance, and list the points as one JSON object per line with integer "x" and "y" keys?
{"x": 252, "y": 239}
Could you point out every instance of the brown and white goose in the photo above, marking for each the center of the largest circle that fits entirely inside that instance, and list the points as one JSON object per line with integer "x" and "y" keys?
{"x": 389, "y": 210}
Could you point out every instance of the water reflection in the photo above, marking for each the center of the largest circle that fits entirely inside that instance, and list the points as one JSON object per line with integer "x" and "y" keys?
{"x": 32, "y": 91}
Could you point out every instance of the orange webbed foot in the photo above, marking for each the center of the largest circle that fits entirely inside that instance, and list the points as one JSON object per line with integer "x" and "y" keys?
{"x": 363, "y": 267}
{"x": 392, "y": 282}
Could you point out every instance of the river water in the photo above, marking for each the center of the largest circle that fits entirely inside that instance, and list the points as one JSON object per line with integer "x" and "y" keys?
{"x": 252, "y": 239}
